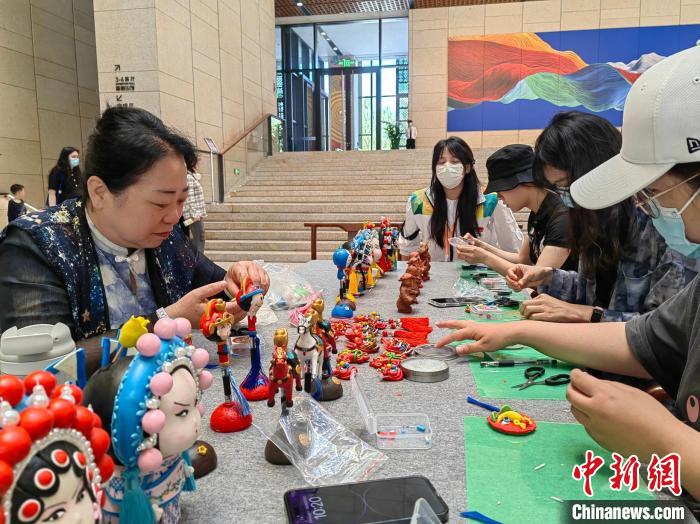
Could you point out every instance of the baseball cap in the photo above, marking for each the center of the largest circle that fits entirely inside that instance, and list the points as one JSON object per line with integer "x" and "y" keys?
{"x": 509, "y": 167}
{"x": 660, "y": 128}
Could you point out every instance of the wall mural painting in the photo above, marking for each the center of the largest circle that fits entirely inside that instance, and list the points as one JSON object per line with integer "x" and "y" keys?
{"x": 520, "y": 80}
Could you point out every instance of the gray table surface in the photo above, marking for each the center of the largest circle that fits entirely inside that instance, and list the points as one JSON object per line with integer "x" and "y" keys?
{"x": 246, "y": 489}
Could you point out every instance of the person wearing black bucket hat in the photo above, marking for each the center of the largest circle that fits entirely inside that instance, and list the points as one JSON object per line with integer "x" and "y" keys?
{"x": 547, "y": 243}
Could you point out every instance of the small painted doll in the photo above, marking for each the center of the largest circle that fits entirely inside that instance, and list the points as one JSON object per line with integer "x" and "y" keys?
{"x": 234, "y": 413}
{"x": 326, "y": 334}
{"x": 53, "y": 457}
{"x": 256, "y": 385}
{"x": 151, "y": 405}
{"x": 345, "y": 303}
{"x": 284, "y": 371}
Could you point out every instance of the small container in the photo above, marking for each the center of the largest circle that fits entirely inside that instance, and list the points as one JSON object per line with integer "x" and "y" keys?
{"x": 393, "y": 430}
{"x": 239, "y": 346}
{"x": 495, "y": 283}
{"x": 486, "y": 312}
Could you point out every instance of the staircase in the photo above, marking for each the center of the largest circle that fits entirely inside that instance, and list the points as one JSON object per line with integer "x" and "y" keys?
{"x": 264, "y": 220}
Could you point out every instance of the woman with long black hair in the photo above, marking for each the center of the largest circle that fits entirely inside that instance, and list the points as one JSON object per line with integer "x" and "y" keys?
{"x": 453, "y": 205}
{"x": 65, "y": 177}
{"x": 625, "y": 267}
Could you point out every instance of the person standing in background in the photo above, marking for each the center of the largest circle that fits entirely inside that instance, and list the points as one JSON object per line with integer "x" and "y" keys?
{"x": 411, "y": 135}
{"x": 16, "y": 207}
{"x": 195, "y": 210}
{"x": 64, "y": 178}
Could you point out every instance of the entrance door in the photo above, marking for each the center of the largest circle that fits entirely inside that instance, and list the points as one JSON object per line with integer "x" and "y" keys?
{"x": 351, "y": 119}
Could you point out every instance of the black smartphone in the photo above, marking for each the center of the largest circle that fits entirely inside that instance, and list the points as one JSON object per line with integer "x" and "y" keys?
{"x": 370, "y": 502}
{"x": 453, "y": 301}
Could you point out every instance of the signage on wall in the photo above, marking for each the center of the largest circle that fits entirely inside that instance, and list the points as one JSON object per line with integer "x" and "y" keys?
{"x": 345, "y": 61}
{"x": 211, "y": 145}
{"x": 124, "y": 83}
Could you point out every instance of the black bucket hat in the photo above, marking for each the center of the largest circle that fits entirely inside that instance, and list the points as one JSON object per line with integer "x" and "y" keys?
{"x": 509, "y": 167}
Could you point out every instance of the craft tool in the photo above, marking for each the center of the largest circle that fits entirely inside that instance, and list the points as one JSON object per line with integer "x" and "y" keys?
{"x": 472, "y": 400}
{"x": 511, "y": 363}
{"x": 479, "y": 517}
{"x": 535, "y": 372}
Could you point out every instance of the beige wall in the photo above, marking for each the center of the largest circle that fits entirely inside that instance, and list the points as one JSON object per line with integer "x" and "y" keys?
{"x": 430, "y": 28}
{"x": 206, "y": 67}
{"x": 48, "y": 87}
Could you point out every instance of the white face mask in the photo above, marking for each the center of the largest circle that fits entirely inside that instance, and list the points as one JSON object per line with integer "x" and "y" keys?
{"x": 450, "y": 175}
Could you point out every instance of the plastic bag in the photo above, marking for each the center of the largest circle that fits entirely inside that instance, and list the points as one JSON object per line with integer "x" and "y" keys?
{"x": 464, "y": 288}
{"x": 321, "y": 448}
{"x": 296, "y": 313}
{"x": 287, "y": 290}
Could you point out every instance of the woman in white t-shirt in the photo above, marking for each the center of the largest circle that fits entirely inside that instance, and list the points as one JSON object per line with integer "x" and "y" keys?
{"x": 453, "y": 205}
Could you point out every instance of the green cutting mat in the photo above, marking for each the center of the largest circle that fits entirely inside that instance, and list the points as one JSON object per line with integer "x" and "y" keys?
{"x": 502, "y": 482}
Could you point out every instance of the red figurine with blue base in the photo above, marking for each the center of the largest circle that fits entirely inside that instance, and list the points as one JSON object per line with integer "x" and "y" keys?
{"x": 256, "y": 385}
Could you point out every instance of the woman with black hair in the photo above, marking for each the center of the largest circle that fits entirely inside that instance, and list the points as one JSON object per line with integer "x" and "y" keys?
{"x": 94, "y": 262}
{"x": 453, "y": 205}
{"x": 64, "y": 178}
{"x": 625, "y": 267}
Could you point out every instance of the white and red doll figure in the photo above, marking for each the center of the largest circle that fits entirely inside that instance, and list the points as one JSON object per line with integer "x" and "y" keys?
{"x": 151, "y": 405}
{"x": 234, "y": 413}
{"x": 255, "y": 385}
{"x": 53, "y": 453}
{"x": 284, "y": 371}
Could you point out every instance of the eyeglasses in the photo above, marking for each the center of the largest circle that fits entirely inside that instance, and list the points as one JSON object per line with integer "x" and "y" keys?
{"x": 648, "y": 202}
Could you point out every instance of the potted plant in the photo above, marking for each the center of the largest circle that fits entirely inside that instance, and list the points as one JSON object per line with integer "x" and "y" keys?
{"x": 393, "y": 133}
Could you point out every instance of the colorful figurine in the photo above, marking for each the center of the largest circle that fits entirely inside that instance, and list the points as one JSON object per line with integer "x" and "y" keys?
{"x": 151, "y": 405}
{"x": 331, "y": 388}
{"x": 284, "y": 371}
{"x": 345, "y": 303}
{"x": 234, "y": 414}
{"x": 309, "y": 351}
{"x": 343, "y": 370}
{"x": 356, "y": 356}
{"x": 511, "y": 422}
{"x": 53, "y": 453}
{"x": 255, "y": 385}
{"x": 392, "y": 373}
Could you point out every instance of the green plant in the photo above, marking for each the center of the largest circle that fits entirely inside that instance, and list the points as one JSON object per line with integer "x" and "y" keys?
{"x": 393, "y": 133}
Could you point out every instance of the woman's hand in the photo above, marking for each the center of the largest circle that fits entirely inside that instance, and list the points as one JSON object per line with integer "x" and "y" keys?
{"x": 472, "y": 254}
{"x": 521, "y": 276}
{"x": 550, "y": 309}
{"x": 487, "y": 337}
{"x": 191, "y": 306}
{"x": 239, "y": 270}
{"x": 619, "y": 417}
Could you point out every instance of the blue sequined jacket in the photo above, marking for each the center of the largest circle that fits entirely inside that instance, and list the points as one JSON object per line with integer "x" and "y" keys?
{"x": 49, "y": 272}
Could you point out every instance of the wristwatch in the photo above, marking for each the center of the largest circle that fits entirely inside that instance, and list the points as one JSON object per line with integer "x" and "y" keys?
{"x": 597, "y": 314}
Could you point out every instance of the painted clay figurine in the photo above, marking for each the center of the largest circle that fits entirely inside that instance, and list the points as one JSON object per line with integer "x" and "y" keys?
{"x": 343, "y": 370}
{"x": 151, "y": 405}
{"x": 345, "y": 303}
{"x": 234, "y": 414}
{"x": 284, "y": 371}
{"x": 53, "y": 458}
{"x": 424, "y": 255}
{"x": 309, "y": 351}
{"x": 331, "y": 389}
{"x": 255, "y": 385}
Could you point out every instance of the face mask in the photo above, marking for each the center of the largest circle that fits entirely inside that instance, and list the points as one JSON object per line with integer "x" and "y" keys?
{"x": 74, "y": 162}
{"x": 450, "y": 175}
{"x": 564, "y": 194}
{"x": 670, "y": 225}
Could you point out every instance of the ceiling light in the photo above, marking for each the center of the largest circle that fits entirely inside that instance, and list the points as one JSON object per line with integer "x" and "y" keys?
{"x": 323, "y": 33}
{"x": 299, "y": 4}
{"x": 335, "y": 49}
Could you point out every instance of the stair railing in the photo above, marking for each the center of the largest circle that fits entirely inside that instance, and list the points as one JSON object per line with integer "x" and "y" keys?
{"x": 261, "y": 139}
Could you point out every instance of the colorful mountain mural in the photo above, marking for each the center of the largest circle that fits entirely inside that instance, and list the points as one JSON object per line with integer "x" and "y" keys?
{"x": 520, "y": 80}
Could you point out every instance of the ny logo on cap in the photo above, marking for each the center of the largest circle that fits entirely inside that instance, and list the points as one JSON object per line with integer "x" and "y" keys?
{"x": 693, "y": 144}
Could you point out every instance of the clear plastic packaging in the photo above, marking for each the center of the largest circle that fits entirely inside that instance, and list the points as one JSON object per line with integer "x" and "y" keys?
{"x": 495, "y": 283}
{"x": 423, "y": 513}
{"x": 464, "y": 288}
{"x": 460, "y": 241}
{"x": 288, "y": 290}
{"x": 393, "y": 430}
{"x": 321, "y": 448}
{"x": 486, "y": 312}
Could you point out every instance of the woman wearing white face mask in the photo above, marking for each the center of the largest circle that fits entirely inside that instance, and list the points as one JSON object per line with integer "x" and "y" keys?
{"x": 660, "y": 166}
{"x": 453, "y": 205}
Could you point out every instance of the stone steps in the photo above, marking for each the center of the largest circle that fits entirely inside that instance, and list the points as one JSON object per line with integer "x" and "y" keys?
{"x": 264, "y": 243}
{"x": 370, "y": 209}
{"x": 336, "y": 235}
{"x": 268, "y": 256}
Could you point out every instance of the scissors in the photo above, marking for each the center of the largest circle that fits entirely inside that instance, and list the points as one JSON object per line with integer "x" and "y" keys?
{"x": 536, "y": 372}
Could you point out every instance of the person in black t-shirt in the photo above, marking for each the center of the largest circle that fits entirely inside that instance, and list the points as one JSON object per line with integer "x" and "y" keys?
{"x": 64, "y": 178}
{"x": 547, "y": 243}
{"x": 16, "y": 207}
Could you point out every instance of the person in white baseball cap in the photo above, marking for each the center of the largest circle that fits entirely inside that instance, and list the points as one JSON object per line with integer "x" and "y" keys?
{"x": 659, "y": 163}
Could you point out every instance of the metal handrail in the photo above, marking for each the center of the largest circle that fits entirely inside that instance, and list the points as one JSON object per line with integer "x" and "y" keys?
{"x": 248, "y": 131}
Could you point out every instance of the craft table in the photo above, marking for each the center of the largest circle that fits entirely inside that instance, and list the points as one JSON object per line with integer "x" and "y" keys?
{"x": 246, "y": 489}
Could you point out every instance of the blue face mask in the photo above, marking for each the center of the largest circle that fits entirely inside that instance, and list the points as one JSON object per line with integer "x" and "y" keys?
{"x": 669, "y": 223}
{"x": 564, "y": 194}
{"x": 74, "y": 162}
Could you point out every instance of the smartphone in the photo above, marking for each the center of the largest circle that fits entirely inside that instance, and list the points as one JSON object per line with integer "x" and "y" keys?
{"x": 370, "y": 502}
{"x": 452, "y": 301}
